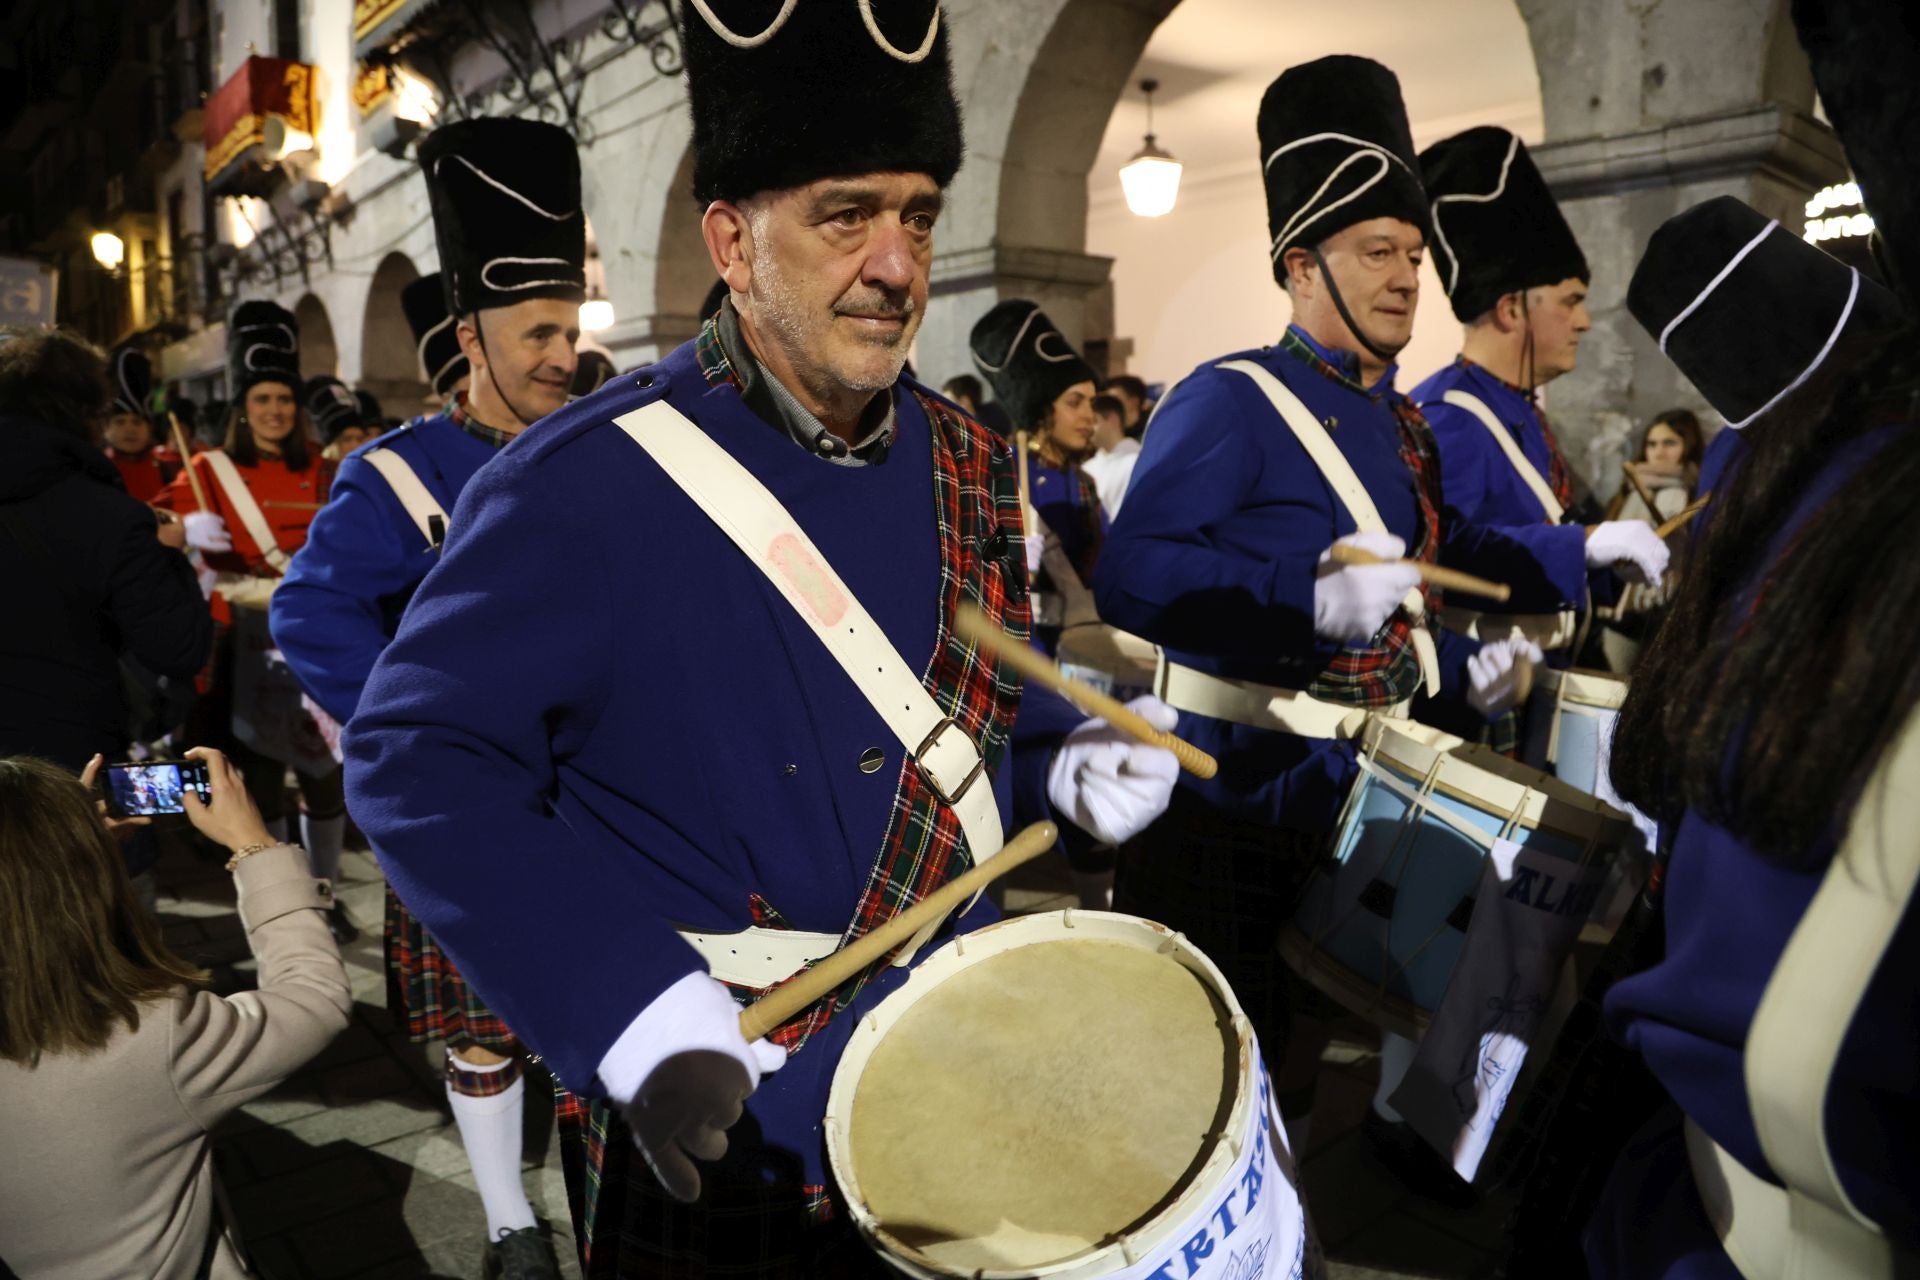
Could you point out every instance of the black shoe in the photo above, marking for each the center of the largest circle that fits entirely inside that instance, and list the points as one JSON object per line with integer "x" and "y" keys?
{"x": 526, "y": 1254}
{"x": 1416, "y": 1164}
{"x": 342, "y": 928}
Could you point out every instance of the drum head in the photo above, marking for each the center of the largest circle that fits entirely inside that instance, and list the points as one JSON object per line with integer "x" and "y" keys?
{"x": 1040, "y": 1102}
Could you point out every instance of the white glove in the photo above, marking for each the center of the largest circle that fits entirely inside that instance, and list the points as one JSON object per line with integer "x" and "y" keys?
{"x": 1351, "y": 602}
{"x": 701, "y": 1070}
{"x": 1107, "y": 783}
{"x": 1036, "y": 544}
{"x": 1500, "y": 673}
{"x": 207, "y": 532}
{"x": 1631, "y": 548}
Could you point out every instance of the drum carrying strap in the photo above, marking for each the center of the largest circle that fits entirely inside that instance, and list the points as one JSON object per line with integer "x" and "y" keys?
{"x": 769, "y": 535}
{"x": 422, "y": 507}
{"x": 1076, "y": 602}
{"x": 1261, "y": 706}
{"x": 240, "y": 500}
{"x": 1812, "y": 1228}
{"x": 1528, "y": 473}
{"x": 1353, "y": 495}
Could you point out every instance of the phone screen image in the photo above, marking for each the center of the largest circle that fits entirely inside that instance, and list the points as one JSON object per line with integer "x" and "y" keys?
{"x": 154, "y": 788}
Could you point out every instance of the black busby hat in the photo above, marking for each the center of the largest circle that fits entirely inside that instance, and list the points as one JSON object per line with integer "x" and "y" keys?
{"x": 441, "y": 360}
{"x": 332, "y": 406}
{"x": 784, "y": 93}
{"x": 1863, "y": 54}
{"x": 371, "y": 414}
{"x": 1026, "y": 359}
{"x": 506, "y": 212}
{"x": 1336, "y": 149}
{"x": 132, "y": 376}
{"x": 263, "y": 345}
{"x": 1747, "y": 309}
{"x": 1496, "y": 228}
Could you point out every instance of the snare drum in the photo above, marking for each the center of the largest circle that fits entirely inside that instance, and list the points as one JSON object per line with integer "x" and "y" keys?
{"x": 1570, "y": 720}
{"x": 1112, "y": 661}
{"x": 1382, "y": 923}
{"x": 1071, "y": 1094}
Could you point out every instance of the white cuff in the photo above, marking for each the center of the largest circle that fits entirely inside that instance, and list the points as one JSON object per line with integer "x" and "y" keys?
{"x": 670, "y": 1025}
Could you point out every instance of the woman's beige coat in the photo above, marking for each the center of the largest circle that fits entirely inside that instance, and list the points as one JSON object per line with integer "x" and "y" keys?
{"x": 104, "y": 1166}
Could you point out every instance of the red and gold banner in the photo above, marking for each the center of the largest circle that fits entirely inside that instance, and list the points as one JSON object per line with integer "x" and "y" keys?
{"x": 368, "y": 15}
{"x": 237, "y": 112}
{"x": 372, "y": 85}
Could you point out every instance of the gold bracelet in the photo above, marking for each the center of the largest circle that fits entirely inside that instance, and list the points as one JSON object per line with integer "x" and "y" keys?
{"x": 248, "y": 850}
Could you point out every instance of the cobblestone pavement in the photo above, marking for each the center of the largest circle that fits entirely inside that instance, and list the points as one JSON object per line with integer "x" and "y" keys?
{"x": 353, "y": 1170}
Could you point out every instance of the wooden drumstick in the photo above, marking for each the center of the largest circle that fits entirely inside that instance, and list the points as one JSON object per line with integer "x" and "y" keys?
{"x": 827, "y": 974}
{"x": 971, "y": 624}
{"x": 186, "y": 460}
{"x": 1682, "y": 518}
{"x": 1646, "y": 495}
{"x": 1028, "y": 517}
{"x": 292, "y": 506}
{"x": 1438, "y": 575}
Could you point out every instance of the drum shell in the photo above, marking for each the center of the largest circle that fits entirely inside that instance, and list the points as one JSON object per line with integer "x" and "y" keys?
{"x": 1570, "y": 720}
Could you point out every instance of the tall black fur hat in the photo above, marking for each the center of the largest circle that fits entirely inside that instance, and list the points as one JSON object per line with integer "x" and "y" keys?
{"x": 1866, "y": 64}
{"x": 263, "y": 345}
{"x": 1336, "y": 149}
{"x": 1749, "y": 310}
{"x": 1496, "y": 228}
{"x": 132, "y": 376}
{"x": 785, "y": 92}
{"x": 332, "y": 406}
{"x": 371, "y": 414}
{"x": 441, "y": 360}
{"x": 506, "y": 212}
{"x": 1026, "y": 359}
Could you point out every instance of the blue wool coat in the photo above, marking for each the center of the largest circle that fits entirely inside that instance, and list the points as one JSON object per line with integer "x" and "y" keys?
{"x": 1215, "y": 553}
{"x": 343, "y": 595}
{"x": 599, "y": 720}
{"x": 1729, "y": 913}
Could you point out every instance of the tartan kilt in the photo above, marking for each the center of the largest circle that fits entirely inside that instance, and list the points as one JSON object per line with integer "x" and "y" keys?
{"x": 742, "y": 1226}
{"x": 428, "y": 994}
{"x": 1228, "y": 884}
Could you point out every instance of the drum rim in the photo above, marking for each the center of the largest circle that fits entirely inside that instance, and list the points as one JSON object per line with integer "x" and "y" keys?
{"x": 1586, "y": 817}
{"x": 1008, "y": 935}
{"x": 1337, "y": 982}
{"x": 1585, "y": 686}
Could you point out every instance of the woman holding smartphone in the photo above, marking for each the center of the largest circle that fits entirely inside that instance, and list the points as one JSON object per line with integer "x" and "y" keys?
{"x": 260, "y": 492}
{"x": 115, "y": 1061}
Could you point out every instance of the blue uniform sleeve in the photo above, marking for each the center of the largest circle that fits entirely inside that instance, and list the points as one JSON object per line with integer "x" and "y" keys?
{"x": 1166, "y": 574}
{"x": 456, "y": 761}
{"x": 1466, "y": 456}
{"x": 332, "y": 616}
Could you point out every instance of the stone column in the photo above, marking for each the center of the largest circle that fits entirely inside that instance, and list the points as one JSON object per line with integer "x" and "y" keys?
{"x": 1650, "y": 109}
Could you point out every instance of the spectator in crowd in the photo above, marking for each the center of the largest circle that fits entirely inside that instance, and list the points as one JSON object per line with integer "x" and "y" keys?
{"x": 145, "y": 463}
{"x": 1668, "y": 468}
{"x": 1114, "y": 452}
{"x": 1131, "y": 392}
{"x": 88, "y": 580}
{"x": 114, "y": 1061}
{"x": 339, "y": 415}
{"x": 966, "y": 391}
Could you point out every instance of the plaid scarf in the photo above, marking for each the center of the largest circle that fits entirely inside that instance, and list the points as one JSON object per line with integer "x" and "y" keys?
{"x": 975, "y": 502}
{"x": 1559, "y": 477}
{"x": 463, "y": 418}
{"x": 1386, "y": 671}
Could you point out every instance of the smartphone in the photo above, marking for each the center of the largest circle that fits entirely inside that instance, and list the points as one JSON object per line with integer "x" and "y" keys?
{"x": 154, "y": 787}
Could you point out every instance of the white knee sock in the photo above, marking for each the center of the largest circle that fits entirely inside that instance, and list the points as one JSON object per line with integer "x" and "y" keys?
{"x": 1396, "y": 1058}
{"x": 490, "y": 1130}
{"x": 324, "y": 838}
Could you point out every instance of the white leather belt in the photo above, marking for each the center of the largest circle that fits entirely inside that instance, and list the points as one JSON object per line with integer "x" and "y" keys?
{"x": 760, "y": 958}
{"x": 1261, "y": 706}
{"x": 1548, "y": 630}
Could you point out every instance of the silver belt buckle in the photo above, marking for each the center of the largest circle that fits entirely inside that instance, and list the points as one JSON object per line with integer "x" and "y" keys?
{"x": 927, "y": 770}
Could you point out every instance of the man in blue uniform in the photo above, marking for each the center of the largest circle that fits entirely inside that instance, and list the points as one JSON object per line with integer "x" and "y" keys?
{"x": 505, "y": 195}
{"x": 627, "y": 759}
{"x": 1254, "y": 466}
{"x": 1518, "y": 281}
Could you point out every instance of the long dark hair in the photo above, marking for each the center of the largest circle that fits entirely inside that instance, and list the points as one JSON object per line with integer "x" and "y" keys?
{"x": 245, "y": 450}
{"x": 1767, "y": 717}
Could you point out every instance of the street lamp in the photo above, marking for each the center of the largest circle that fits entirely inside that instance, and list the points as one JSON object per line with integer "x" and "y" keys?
{"x": 1151, "y": 180}
{"x": 109, "y": 250}
{"x": 596, "y": 314}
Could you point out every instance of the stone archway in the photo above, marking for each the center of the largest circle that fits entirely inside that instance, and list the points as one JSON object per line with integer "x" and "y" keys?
{"x": 389, "y": 362}
{"x": 318, "y": 351}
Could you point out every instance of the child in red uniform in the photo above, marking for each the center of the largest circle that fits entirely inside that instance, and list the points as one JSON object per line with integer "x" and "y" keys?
{"x": 144, "y": 466}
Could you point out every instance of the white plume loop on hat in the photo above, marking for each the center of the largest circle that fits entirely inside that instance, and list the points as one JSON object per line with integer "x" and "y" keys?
{"x": 1715, "y": 283}
{"x": 486, "y": 277}
{"x": 1066, "y": 352}
{"x": 1014, "y": 346}
{"x": 879, "y": 37}
{"x": 275, "y": 366}
{"x": 442, "y": 372}
{"x": 128, "y": 396}
{"x": 498, "y": 185}
{"x": 1467, "y": 197}
{"x": 1853, "y": 292}
{"x": 420, "y": 348}
{"x": 290, "y": 343}
{"x": 1306, "y": 213}
{"x": 739, "y": 41}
